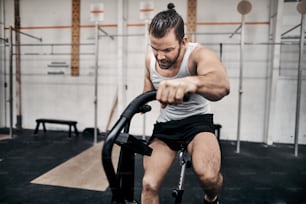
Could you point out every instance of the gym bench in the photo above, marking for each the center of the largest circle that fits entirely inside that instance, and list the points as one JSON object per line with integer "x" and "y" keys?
{"x": 55, "y": 121}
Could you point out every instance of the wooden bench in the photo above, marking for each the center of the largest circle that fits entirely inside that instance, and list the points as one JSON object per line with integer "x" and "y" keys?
{"x": 55, "y": 121}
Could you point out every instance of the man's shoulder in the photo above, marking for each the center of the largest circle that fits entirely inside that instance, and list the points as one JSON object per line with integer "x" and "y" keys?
{"x": 200, "y": 52}
{"x": 195, "y": 50}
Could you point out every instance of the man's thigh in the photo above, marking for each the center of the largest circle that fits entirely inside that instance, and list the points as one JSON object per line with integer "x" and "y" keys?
{"x": 205, "y": 152}
{"x": 157, "y": 165}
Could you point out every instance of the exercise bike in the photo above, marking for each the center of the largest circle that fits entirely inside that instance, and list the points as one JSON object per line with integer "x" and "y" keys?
{"x": 121, "y": 182}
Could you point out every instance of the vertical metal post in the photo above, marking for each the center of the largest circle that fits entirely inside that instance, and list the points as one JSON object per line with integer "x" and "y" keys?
{"x": 146, "y": 8}
{"x": 121, "y": 54}
{"x": 11, "y": 82}
{"x": 18, "y": 86}
{"x": 4, "y": 62}
{"x": 146, "y": 51}
{"x": 240, "y": 88}
{"x": 124, "y": 69}
{"x": 244, "y": 7}
{"x": 299, "y": 87}
{"x": 221, "y": 51}
{"x": 96, "y": 15}
{"x": 120, "y": 31}
{"x": 96, "y": 82}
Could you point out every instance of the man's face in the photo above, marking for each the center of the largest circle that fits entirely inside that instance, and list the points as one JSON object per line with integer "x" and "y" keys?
{"x": 166, "y": 49}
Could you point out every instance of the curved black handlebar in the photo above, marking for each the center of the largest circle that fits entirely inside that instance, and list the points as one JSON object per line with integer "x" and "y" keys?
{"x": 133, "y": 108}
{"x": 136, "y": 106}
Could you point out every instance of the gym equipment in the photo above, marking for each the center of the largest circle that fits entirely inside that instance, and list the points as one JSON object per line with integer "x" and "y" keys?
{"x": 18, "y": 76}
{"x": 146, "y": 8}
{"x": 185, "y": 162}
{"x": 244, "y": 7}
{"x": 122, "y": 181}
{"x": 70, "y": 123}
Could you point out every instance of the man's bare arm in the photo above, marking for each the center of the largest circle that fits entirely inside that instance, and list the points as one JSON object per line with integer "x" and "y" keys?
{"x": 147, "y": 81}
{"x": 209, "y": 79}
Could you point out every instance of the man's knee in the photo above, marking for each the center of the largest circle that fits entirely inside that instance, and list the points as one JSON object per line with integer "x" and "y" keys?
{"x": 149, "y": 193}
{"x": 209, "y": 178}
{"x": 149, "y": 186}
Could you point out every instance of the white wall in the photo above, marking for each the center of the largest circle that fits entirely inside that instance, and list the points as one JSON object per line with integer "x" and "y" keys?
{"x": 286, "y": 91}
{"x": 255, "y": 64}
{"x": 67, "y": 97}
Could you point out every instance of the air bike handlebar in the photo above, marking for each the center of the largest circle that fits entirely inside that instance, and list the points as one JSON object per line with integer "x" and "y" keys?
{"x": 121, "y": 182}
{"x": 115, "y": 181}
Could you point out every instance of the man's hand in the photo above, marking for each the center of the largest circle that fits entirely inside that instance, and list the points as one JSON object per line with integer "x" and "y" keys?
{"x": 173, "y": 91}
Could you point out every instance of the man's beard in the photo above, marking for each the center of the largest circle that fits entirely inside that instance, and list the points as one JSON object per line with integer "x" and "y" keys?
{"x": 166, "y": 64}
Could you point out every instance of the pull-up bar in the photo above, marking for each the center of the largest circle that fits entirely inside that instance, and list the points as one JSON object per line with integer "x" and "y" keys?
{"x": 106, "y": 33}
{"x": 11, "y": 71}
{"x": 26, "y": 34}
{"x": 291, "y": 29}
{"x": 236, "y": 31}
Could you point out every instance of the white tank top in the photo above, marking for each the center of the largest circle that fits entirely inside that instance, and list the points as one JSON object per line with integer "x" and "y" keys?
{"x": 196, "y": 104}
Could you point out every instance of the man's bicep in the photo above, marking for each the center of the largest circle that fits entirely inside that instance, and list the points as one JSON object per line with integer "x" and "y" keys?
{"x": 147, "y": 78}
{"x": 147, "y": 84}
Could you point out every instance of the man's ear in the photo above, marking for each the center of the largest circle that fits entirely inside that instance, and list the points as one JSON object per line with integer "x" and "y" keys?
{"x": 184, "y": 41}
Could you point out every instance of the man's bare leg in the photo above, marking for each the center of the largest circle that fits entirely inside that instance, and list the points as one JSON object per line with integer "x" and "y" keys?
{"x": 206, "y": 161}
{"x": 155, "y": 168}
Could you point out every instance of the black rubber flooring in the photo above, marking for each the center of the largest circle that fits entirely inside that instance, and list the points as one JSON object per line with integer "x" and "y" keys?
{"x": 258, "y": 174}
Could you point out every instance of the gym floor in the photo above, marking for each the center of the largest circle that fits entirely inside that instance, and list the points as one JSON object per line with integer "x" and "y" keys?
{"x": 258, "y": 174}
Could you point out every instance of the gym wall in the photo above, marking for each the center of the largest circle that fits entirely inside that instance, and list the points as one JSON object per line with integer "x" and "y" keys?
{"x": 49, "y": 90}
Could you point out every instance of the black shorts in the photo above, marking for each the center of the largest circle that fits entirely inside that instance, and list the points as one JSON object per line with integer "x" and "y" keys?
{"x": 179, "y": 133}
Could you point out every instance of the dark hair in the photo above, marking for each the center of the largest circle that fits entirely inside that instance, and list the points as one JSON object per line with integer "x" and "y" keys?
{"x": 166, "y": 20}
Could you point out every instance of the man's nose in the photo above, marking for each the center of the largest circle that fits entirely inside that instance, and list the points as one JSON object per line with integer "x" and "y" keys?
{"x": 160, "y": 55}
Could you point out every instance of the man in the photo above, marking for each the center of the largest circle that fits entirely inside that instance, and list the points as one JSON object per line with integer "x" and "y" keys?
{"x": 175, "y": 68}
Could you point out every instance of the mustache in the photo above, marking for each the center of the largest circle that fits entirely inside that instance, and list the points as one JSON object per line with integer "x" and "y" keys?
{"x": 163, "y": 61}
{"x": 164, "y": 64}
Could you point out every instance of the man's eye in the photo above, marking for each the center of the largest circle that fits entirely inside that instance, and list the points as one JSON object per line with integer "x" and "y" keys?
{"x": 167, "y": 50}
